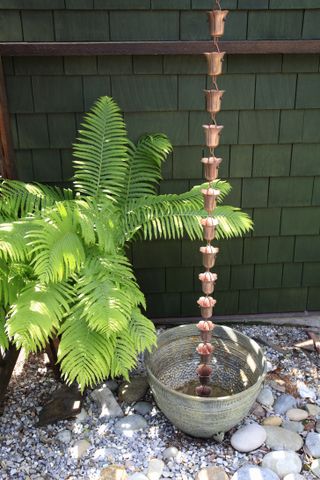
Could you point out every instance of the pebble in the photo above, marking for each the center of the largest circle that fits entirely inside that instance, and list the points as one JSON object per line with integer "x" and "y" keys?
{"x": 296, "y": 427}
{"x": 312, "y": 444}
{"x": 279, "y": 438}
{"x": 252, "y": 472}
{"x": 131, "y": 423}
{"x": 104, "y": 453}
{"x": 272, "y": 421}
{"x": 259, "y": 411}
{"x": 108, "y": 404}
{"x": 64, "y": 436}
{"x": 248, "y": 438}
{"x": 143, "y": 407}
{"x": 155, "y": 469}
{"x": 315, "y": 467}
{"x": 305, "y": 392}
{"x": 134, "y": 390}
{"x": 297, "y": 414}
{"x": 170, "y": 452}
{"x": 266, "y": 397}
{"x": 212, "y": 473}
{"x": 138, "y": 476}
{"x": 282, "y": 462}
{"x": 79, "y": 449}
{"x": 113, "y": 472}
{"x": 82, "y": 416}
{"x": 284, "y": 403}
{"x": 293, "y": 476}
{"x": 313, "y": 410}
{"x": 317, "y": 427}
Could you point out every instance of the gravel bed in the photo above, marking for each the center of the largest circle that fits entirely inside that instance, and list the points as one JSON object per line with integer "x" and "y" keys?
{"x": 28, "y": 452}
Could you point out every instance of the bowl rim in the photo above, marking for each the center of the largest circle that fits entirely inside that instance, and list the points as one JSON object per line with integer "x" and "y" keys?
{"x": 205, "y": 400}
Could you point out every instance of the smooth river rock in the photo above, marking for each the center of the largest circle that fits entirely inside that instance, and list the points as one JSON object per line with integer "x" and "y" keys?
{"x": 130, "y": 424}
{"x": 266, "y": 397}
{"x": 313, "y": 410}
{"x": 284, "y": 403}
{"x": 108, "y": 404}
{"x": 296, "y": 427}
{"x": 252, "y": 472}
{"x": 113, "y": 472}
{"x": 272, "y": 421}
{"x": 248, "y": 438}
{"x": 282, "y": 462}
{"x": 212, "y": 473}
{"x": 170, "y": 452}
{"x": 315, "y": 467}
{"x": 312, "y": 444}
{"x": 293, "y": 476}
{"x": 138, "y": 476}
{"x": 134, "y": 390}
{"x": 80, "y": 449}
{"x": 155, "y": 469}
{"x": 279, "y": 438}
{"x": 297, "y": 414}
{"x": 143, "y": 408}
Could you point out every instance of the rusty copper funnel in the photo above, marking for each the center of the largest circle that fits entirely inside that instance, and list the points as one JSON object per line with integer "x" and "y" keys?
{"x": 208, "y": 280}
{"x": 211, "y": 166}
{"x": 213, "y": 99}
{"x": 217, "y": 20}
{"x": 210, "y": 196}
{"x": 214, "y": 60}
{"x": 209, "y": 254}
{"x": 212, "y": 135}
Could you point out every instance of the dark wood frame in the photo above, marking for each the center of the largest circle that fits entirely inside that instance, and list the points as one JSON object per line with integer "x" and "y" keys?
{"x": 241, "y": 47}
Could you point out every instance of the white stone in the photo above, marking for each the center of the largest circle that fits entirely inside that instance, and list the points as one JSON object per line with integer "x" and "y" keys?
{"x": 297, "y": 414}
{"x": 64, "y": 436}
{"x": 155, "y": 469}
{"x": 315, "y": 467}
{"x": 104, "y": 453}
{"x": 79, "y": 449}
{"x": 143, "y": 407}
{"x": 138, "y": 476}
{"x": 82, "y": 416}
{"x": 252, "y": 472}
{"x": 273, "y": 421}
{"x": 305, "y": 392}
{"x": 312, "y": 444}
{"x": 108, "y": 404}
{"x": 283, "y": 403}
{"x": 293, "y": 476}
{"x": 266, "y": 397}
{"x": 282, "y": 462}
{"x": 212, "y": 473}
{"x": 130, "y": 424}
{"x": 170, "y": 452}
{"x": 279, "y": 438}
{"x": 313, "y": 410}
{"x": 248, "y": 438}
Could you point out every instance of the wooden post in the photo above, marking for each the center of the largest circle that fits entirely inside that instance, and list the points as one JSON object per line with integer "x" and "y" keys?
{"x": 7, "y": 165}
{"x": 6, "y": 368}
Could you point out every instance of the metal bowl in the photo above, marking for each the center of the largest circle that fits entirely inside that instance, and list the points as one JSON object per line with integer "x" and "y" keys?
{"x": 239, "y": 366}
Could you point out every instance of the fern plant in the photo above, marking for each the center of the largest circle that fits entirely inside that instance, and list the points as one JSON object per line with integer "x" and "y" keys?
{"x": 63, "y": 268}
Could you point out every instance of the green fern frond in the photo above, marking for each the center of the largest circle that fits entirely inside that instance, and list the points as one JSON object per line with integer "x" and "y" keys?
{"x": 12, "y": 280}
{"x": 142, "y": 331}
{"x": 232, "y": 222}
{"x": 19, "y": 199}
{"x": 37, "y": 313}
{"x": 4, "y": 342}
{"x": 144, "y": 169}
{"x": 13, "y": 245}
{"x": 85, "y": 355}
{"x": 101, "y": 152}
{"x": 56, "y": 246}
{"x": 124, "y": 356}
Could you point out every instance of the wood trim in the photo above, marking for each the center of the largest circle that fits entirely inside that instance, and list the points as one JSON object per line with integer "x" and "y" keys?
{"x": 158, "y": 48}
{"x": 7, "y": 164}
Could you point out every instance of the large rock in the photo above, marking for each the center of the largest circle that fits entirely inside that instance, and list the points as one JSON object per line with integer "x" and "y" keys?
{"x": 283, "y": 403}
{"x": 248, "y": 438}
{"x": 130, "y": 424}
{"x": 211, "y": 473}
{"x": 312, "y": 444}
{"x": 252, "y": 472}
{"x": 65, "y": 402}
{"x": 315, "y": 467}
{"x": 155, "y": 469}
{"x": 266, "y": 397}
{"x": 80, "y": 449}
{"x": 134, "y": 390}
{"x": 107, "y": 403}
{"x": 297, "y": 414}
{"x": 279, "y": 438}
{"x": 282, "y": 462}
{"x": 113, "y": 472}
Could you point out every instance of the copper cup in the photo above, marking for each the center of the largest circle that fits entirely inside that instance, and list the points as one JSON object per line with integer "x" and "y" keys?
{"x": 211, "y": 167}
{"x": 209, "y": 255}
{"x": 217, "y": 20}
{"x": 204, "y": 370}
{"x": 214, "y": 60}
{"x": 207, "y": 280}
{"x": 209, "y": 228}
{"x": 212, "y": 135}
{"x": 213, "y": 98}
{"x": 206, "y": 336}
{"x": 203, "y": 391}
{"x": 210, "y": 198}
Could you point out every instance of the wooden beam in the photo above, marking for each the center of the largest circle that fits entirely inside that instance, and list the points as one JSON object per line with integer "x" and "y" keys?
{"x": 7, "y": 165}
{"x": 157, "y": 48}
{"x": 287, "y": 319}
